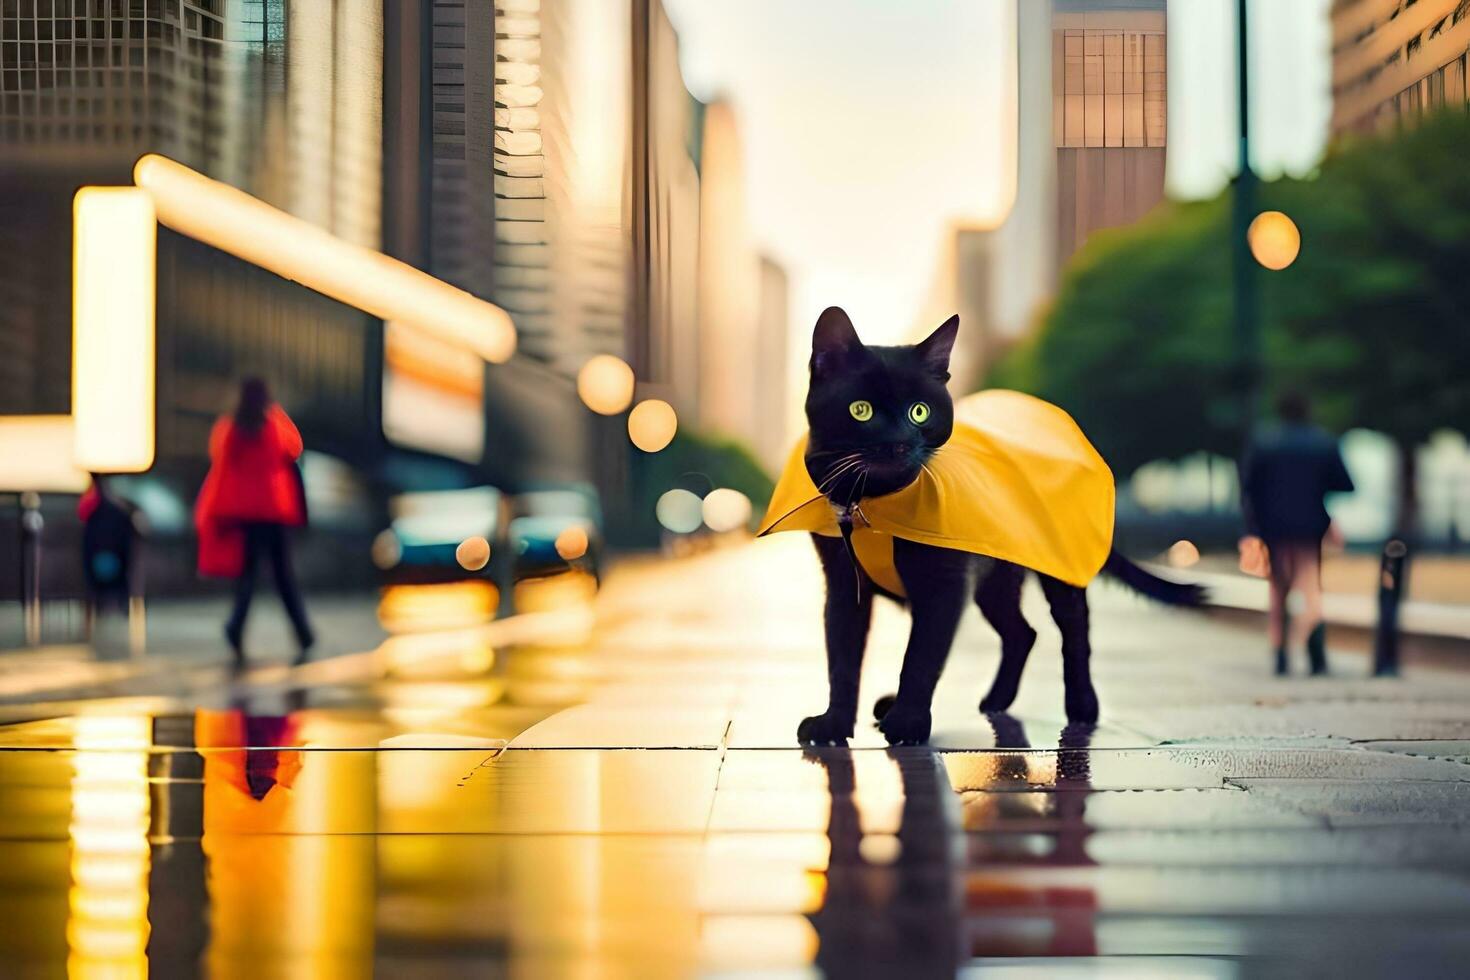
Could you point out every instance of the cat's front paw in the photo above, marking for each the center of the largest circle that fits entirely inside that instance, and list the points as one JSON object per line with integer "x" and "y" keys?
{"x": 1082, "y": 706}
{"x": 905, "y": 725}
{"x": 824, "y": 729}
{"x": 999, "y": 698}
{"x": 881, "y": 706}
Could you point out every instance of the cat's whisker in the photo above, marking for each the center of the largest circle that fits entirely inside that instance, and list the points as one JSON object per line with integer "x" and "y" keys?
{"x": 838, "y": 470}
{"x": 830, "y": 482}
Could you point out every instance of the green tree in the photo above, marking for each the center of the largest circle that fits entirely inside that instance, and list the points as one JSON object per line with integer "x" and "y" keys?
{"x": 1380, "y": 295}
{"x": 696, "y": 462}
{"x": 1373, "y": 319}
{"x": 1137, "y": 345}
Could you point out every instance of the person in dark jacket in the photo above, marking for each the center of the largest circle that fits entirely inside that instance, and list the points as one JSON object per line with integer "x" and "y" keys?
{"x": 110, "y": 542}
{"x": 1285, "y": 477}
{"x": 250, "y": 499}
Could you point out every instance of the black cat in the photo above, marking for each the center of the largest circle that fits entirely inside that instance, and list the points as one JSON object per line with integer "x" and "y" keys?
{"x": 877, "y": 415}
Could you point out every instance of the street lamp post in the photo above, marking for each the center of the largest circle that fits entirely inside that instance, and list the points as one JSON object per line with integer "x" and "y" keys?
{"x": 1247, "y": 321}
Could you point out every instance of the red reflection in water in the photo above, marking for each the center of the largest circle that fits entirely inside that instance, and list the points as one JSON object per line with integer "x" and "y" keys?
{"x": 1007, "y": 915}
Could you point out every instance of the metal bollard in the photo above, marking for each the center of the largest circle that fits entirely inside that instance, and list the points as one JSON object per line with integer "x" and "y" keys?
{"x": 31, "y": 525}
{"x": 1390, "y": 593}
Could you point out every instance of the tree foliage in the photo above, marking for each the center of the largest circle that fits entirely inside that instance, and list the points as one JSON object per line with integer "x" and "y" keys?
{"x": 1381, "y": 293}
{"x": 693, "y": 462}
{"x": 1373, "y": 319}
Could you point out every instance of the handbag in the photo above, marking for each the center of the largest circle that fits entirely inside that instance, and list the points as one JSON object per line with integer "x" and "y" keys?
{"x": 1255, "y": 556}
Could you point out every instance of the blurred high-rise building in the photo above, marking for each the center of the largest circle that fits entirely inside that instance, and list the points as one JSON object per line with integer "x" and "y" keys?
{"x": 769, "y": 436}
{"x": 1394, "y": 60}
{"x": 668, "y": 123}
{"x": 733, "y": 368}
{"x": 542, "y": 154}
{"x": 282, "y": 100}
{"x": 1109, "y": 112}
{"x": 729, "y": 283}
{"x": 1092, "y": 120}
{"x": 438, "y": 212}
{"x": 596, "y": 216}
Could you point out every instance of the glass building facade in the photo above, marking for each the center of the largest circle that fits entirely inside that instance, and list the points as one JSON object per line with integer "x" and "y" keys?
{"x": 1393, "y": 60}
{"x": 1109, "y": 114}
{"x": 281, "y": 99}
{"x": 1108, "y": 87}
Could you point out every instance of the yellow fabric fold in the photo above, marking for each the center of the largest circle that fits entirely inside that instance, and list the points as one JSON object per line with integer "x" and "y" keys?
{"x": 1017, "y": 481}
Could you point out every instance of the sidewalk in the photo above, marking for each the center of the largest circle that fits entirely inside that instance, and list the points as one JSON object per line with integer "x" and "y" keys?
{"x": 504, "y": 822}
{"x": 1349, "y": 600}
{"x": 185, "y": 641}
{"x": 1417, "y": 618}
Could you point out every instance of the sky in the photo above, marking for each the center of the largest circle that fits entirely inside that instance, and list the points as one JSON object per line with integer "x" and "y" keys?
{"x": 869, "y": 127}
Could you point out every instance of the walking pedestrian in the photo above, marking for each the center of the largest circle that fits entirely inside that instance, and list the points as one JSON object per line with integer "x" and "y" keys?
{"x": 110, "y": 546}
{"x": 252, "y": 496}
{"x": 1285, "y": 477}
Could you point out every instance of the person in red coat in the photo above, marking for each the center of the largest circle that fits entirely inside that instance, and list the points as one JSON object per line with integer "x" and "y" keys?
{"x": 252, "y": 495}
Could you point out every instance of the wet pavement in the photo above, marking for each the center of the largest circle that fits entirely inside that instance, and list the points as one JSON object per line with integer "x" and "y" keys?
{"x": 534, "y": 799}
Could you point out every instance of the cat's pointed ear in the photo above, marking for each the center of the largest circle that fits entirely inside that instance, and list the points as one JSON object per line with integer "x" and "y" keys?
{"x": 834, "y": 341}
{"x": 934, "y": 350}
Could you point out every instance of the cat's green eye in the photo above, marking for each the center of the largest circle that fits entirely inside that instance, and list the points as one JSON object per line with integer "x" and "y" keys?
{"x": 919, "y": 413}
{"x": 861, "y": 410}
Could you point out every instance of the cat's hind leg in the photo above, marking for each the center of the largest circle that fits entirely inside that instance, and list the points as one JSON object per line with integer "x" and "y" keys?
{"x": 1069, "y": 609}
{"x": 999, "y": 598}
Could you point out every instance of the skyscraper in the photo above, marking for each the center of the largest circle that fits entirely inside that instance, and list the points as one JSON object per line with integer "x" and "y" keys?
{"x": 1109, "y": 94}
{"x": 282, "y": 101}
{"x": 1092, "y": 129}
{"x": 1393, "y": 60}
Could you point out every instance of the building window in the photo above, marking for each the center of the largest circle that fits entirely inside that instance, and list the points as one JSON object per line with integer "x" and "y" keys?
{"x": 1109, "y": 87}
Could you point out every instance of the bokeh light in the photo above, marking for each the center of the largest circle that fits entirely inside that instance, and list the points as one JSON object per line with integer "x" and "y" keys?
{"x": 1183, "y": 554}
{"x": 725, "y": 510}
{"x": 387, "y": 550}
{"x": 440, "y": 606}
{"x": 571, "y": 544}
{"x": 605, "y": 384}
{"x": 680, "y": 511}
{"x": 652, "y": 424}
{"x": 1274, "y": 239}
{"x": 563, "y": 592}
{"x": 473, "y": 553}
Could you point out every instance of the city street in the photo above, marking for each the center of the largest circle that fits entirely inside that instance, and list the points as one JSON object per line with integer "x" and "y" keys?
{"x": 397, "y": 400}
{"x": 621, "y": 795}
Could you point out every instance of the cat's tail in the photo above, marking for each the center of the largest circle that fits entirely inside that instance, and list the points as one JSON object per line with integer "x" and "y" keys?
{"x": 1147, "y": 583}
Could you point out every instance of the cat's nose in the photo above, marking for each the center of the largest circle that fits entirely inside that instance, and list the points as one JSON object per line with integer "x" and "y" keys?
{"x": 895, "y": 450}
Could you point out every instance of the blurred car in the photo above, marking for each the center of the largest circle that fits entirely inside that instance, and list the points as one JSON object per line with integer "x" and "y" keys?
{"x": 553, "y": 529}
{"x": 435, "y": 535}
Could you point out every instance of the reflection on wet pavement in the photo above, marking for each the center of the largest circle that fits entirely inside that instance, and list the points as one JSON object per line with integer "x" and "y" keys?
{"x": 629, "y": 809}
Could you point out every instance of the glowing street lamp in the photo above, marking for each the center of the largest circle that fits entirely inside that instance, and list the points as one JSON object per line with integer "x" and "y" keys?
{"x": 725, "y": 510}
{"x": 652, "y": 424}
{"x": 1274, "y": 239}
{"x": 680, "y": 511}
{"x": 572, "y": 543}
{"x": 605, "y": 384}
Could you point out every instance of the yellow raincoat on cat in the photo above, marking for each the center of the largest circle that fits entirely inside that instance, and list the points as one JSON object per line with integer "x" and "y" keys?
{"x": 1017, "y": 481}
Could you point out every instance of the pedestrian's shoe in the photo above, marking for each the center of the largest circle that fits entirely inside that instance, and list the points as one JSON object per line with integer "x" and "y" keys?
{"x": 1317, "y": 650}
{"x": 304, "y": 643}
{"x": 1281, "y": 669}
{"x": 234, "y": 635}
